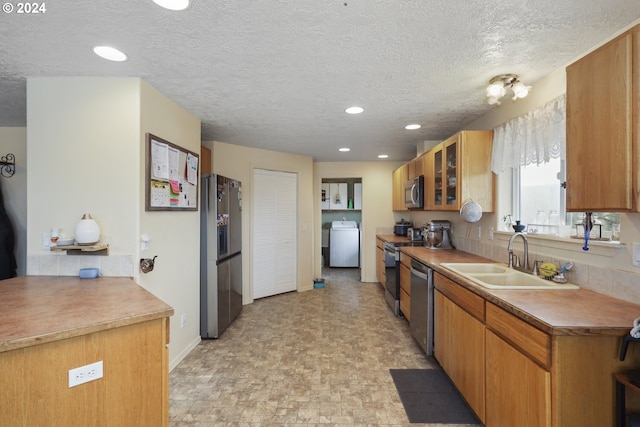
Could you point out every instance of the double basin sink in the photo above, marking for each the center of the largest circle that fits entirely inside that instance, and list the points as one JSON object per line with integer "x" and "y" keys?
{"x": 499, "y": 276}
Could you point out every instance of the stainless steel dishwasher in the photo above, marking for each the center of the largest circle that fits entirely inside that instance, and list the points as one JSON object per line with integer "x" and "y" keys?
{"x": 421, "y": 324}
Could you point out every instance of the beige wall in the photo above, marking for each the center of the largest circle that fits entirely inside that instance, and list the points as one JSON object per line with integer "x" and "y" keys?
{"x": 14, "y": 190}
{"x": 238, "y": 162}
{"x": 175, "y": 236}
{"x": 377, "y": 216}
{"x": 86, "y": 145}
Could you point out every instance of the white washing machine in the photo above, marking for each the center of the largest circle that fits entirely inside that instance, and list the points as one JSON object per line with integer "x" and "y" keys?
{"x": 344, "y": 244}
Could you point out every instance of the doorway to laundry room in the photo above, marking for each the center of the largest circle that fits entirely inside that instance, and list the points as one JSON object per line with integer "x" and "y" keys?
{"x": 341, "y": 202}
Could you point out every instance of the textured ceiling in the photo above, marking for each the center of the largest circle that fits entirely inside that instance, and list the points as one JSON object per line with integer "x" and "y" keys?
{"x": 278, "y": 74}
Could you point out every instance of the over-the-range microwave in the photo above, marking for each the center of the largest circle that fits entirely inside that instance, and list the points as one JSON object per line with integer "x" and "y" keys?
{"x": 414, "y": 192}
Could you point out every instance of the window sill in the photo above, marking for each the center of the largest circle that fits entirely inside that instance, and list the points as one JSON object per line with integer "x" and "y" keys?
{"x": 596, "y": 247}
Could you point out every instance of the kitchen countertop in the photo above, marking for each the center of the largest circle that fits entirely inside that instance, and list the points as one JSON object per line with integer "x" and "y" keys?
{"x": 40, "y": 309}
{"x": 556, "y": 312}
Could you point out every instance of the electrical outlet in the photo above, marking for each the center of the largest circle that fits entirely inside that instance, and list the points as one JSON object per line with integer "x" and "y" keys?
{"x": 183, "y": 320}
{"x": 479, "y": 232}
{"x": 85, "y": 374}
{"x": 636, "y": 254}
{"x": 491, "y": 233}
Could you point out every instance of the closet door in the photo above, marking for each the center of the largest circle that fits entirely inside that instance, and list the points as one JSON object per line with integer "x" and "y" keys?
{"x": 274, "y": 232}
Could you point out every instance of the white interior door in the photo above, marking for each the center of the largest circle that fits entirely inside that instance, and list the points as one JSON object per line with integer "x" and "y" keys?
{"x": 274, "y": 232}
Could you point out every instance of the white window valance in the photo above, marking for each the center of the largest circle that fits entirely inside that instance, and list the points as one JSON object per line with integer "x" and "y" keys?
{"x": 533, "y": 138}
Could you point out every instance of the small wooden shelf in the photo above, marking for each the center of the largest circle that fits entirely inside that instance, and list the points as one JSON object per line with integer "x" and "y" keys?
{"x": 96, "y": 249}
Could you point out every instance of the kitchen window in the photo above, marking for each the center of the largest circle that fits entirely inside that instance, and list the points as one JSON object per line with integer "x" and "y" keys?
{"x": 533, "y": 146}
{"x": 539, "y": 203}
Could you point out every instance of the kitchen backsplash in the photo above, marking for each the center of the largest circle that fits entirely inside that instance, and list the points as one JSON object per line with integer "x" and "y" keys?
{"x": 616, "y": 283}
{"x": 70, "y": 265}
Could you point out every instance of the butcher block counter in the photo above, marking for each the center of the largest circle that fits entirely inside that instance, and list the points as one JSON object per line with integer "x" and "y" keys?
{"x": 50, "y": 325}
{"x": 528, "y": 357}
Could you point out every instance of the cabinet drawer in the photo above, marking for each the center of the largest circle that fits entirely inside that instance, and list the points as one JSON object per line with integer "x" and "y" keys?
{"x": 405, "y": 260}
{"x": 380, "y": 243}
{"x": 405, "y": 279}
{"x": 405, "y": 304}
{"x": 467, "y": 300}
{"x": 519, "y": 333}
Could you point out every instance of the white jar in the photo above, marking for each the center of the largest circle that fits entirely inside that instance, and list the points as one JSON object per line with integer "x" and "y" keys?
{"x": 87, "y": 231}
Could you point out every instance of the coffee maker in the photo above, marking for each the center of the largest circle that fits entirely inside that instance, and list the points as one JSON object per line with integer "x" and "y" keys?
{"x": 437, "y": 235}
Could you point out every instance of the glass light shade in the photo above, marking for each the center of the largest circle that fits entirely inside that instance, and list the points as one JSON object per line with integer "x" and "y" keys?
{"x": 496, "y": 90}
{"x": 519, "y": 90}
{"x": 87, "y": 231}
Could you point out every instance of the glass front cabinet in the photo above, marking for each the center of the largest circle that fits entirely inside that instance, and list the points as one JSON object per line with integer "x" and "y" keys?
{"x": 461, "y": 170}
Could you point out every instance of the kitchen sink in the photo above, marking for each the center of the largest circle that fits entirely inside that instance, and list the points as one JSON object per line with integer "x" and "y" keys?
{"x": 499, "y": 276}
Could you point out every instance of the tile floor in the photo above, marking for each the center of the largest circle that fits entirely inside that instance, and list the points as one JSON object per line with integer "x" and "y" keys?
{"x": 316, "y": 358}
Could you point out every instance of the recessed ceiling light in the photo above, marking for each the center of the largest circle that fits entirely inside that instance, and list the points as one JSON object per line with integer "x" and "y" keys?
{"x": 383, "y": 156}
{"x": 354, "y": 110}
{"x": 110, "y": 53}
{"x": 344, "y": 149}
{"x": 173, "y": 4}
{"x": 412, "y": 127}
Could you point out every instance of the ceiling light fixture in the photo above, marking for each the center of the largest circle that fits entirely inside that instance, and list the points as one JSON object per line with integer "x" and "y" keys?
{"x": 412, "y": 127}
{"x": 344, "y": 149}
{"x": 110, "y": 53}
{"x": 498, "y": 88}
{"x": 173, "y": 4}
{"x": 354, "y": 110}
{"x": 383, "y": 156}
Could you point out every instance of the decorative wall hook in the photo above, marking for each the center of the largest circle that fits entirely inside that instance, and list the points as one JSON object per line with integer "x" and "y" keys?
{"x": 8, "y": 165}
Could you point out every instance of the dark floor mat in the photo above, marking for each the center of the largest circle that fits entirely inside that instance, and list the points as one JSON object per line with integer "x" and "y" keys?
{"x": 428, "y": 396}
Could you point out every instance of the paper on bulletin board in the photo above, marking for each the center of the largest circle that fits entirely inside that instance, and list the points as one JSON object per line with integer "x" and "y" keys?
{"x": 192, "y": 168}
{"x": 159, "y": 160}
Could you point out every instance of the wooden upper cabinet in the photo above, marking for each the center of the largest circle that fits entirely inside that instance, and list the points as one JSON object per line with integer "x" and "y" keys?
{"x": 602, "y": 100}
{"x": 460, "y": 169}
{"x": 415, "y": 167}
{"x": 205, "y": 161}
{"x": 400, "y": 176}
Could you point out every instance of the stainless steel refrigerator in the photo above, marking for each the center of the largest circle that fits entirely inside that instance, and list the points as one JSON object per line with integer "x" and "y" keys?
{"x": 220, "y": 254}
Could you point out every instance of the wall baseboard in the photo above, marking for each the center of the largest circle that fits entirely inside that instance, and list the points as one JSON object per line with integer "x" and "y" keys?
{"x": 175, "y": 362}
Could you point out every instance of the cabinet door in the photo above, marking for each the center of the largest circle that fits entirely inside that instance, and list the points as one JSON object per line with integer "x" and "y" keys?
{"x": 599, "y": 128}
{"x": 357, "y": 196}
{"x": 399, "y": 179}
{"x": 451, "y": 183}
{"x": 518, "y": 390}
{"x": 338, "y": 196}
{"x": 325, "y": 196}
{"x": 405, "y": 291}
{"x": 437, "y": 183}
{"x": 459, "y": 346}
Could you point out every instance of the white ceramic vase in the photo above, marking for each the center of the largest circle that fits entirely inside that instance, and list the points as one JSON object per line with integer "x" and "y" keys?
{"x": 87, "y": 231}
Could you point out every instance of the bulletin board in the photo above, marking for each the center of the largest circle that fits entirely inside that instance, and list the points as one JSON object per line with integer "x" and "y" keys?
{"x": 171, "y": 182}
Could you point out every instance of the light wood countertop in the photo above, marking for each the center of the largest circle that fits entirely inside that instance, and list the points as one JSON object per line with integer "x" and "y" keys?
{"x": 556, "y": 312}
{"x": 40, "y": 309}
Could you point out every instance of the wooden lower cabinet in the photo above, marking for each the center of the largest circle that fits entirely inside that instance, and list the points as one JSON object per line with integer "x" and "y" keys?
{"x": 134, "y": 390}
{"x": 380, "y": 265}
{"x": 405, "y": 286}
{"x": 459, "y": 347}
{"x": 518, "y": 390}
{"x": 514, "y": 374}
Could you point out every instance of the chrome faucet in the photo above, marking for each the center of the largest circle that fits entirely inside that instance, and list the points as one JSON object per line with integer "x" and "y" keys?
{"x": 516, "y": 264}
